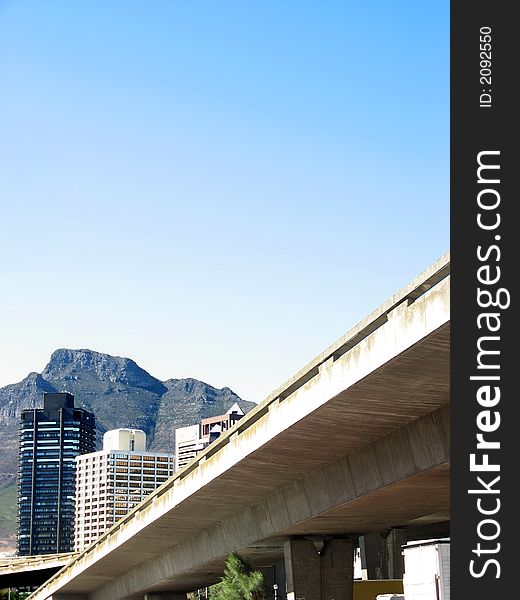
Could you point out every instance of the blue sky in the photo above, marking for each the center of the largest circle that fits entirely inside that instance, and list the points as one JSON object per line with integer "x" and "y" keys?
{"x": 215, "y": 189}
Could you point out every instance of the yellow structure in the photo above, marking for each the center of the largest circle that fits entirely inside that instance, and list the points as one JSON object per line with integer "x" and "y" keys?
{"x": 370, "y": 588}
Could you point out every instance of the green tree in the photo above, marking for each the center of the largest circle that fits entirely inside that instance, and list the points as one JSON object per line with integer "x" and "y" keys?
{"x": 239, "y": 582}
{"x": 5, "y": 594}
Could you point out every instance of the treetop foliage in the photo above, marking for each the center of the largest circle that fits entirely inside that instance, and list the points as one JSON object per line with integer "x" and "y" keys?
{"x": 239, "y": 582}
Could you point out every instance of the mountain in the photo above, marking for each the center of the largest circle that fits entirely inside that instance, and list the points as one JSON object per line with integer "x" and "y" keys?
{"x": 13, "y": 399}
{"x": 115, "y": 389}
{"x": 185, "y": 402}
{"x": 119, "y": 392}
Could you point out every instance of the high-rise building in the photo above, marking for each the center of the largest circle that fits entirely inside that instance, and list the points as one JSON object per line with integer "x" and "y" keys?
{"x": 191, "y": 440}
{"x": 50, "y": 439}
{"x": 111, "y": 482}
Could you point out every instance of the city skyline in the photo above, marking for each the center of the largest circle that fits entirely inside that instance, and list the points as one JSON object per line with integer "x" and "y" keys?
{"x": 69, "y": 492}
{"x": 217, "y": 194}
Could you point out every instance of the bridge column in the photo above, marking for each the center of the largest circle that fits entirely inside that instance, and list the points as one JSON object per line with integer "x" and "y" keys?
{"x": 372, "y": 551}
{"x": 394, "y": 541}
{"x": 381, "y": 555}
{"x": 319, "y": 571}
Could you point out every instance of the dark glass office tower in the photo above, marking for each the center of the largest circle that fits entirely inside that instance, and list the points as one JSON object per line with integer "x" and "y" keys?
{"x": 50, "y": 439}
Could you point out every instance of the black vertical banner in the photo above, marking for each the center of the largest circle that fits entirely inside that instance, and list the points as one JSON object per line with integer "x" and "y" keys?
{"x": 485, "y": 244}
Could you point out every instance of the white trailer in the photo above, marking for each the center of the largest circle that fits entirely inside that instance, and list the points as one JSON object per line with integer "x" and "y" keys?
{"x": 427, "y": 570}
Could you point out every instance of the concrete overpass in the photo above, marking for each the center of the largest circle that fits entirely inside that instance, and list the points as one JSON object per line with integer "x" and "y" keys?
{"x": 17, "y": 571}
{"x": 356, "y": 442}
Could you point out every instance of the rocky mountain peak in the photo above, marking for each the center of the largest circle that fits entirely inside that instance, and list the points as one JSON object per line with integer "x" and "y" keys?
{"x": 35, "y": 380}
{"x": 84, "y": 365}
{"x": 28, "y": 393}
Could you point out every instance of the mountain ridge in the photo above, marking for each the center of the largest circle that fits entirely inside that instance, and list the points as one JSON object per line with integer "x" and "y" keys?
{"x": 119, "y": 392}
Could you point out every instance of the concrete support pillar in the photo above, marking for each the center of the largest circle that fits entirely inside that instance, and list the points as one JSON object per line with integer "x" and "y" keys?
{"x": 372, "y": 556}
{"x": 327, "y": 575}
{"x": 394, "y": 541}
{"x": 381, "y": 555}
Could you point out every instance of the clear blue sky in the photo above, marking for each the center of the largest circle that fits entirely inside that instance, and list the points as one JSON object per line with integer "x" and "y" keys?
{"x": 215, "y": 189}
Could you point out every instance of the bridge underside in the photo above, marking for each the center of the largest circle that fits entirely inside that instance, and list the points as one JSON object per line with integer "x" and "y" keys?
{"x": 379, "y": 511}
{"x": 30, "y": 578}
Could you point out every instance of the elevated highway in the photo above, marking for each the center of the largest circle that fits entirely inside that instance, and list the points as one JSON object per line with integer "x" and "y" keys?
{"x": 356, "y": 442}
{"x": 17, "y": 571}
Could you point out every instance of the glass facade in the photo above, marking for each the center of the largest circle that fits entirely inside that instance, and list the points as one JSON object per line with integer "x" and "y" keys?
{"x": 50, "y": 439}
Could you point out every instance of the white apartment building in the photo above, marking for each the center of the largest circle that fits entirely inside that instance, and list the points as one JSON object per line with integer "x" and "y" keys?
{"x": 111, "y": 482}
